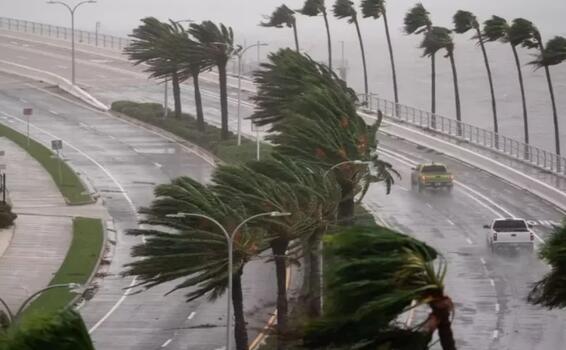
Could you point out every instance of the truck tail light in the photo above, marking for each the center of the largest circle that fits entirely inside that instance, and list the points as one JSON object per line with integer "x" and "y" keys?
{"x": 495, "y": 236}
{"x": 423, "y": 178}
{"x": 532, "y": 236}
{"x": 451, "y": 177}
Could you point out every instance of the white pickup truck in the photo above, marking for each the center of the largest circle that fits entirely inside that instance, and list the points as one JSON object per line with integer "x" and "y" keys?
{"x": 510, "y": 232}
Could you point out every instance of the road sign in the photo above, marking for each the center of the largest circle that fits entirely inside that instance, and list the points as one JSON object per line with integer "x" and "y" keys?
{"x": 28, "y": 111}
{"x": 56, "y": 145}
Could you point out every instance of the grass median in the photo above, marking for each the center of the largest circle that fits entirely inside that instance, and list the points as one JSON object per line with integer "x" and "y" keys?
{"x": 82, "y": 258}
{"x": 69, "y": 184}
{"x": 186, "y": 128}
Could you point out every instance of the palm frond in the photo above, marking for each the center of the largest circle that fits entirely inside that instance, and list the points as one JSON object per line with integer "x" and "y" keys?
{"x": 373, "y": 8}
{"x": 417, "y": 20}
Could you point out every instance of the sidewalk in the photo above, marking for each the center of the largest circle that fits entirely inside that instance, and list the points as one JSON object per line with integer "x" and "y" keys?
{"x": 43, "y": 230}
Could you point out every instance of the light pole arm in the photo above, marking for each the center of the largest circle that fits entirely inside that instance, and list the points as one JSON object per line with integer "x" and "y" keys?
{"x": 338, "y": 165}
{"x": 246, "y": 221}
{"x": 214, "y": 221}
{"x": 34, "y": 295}
{"x": 81, "y": 3}
{"x": 71, "y": 10}
{"x": 10, "y": 314}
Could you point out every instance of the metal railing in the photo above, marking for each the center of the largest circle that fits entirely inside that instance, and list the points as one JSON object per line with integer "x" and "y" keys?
{"x": 473, "y": 135}
{"x": 63, "y": 33}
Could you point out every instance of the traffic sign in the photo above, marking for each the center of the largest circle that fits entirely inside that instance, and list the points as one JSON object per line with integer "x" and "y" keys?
{"x": 28, "y": 111}
{"x": 56, "y": 145}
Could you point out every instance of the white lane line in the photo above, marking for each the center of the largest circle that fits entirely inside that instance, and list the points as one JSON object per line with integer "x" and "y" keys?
{"x": 428, "y": 205}
{"x": 23, "y": 100}
{"x": 483, "y": 261}
{"x": 470, "y": 242}
{"x": 451, "y": 222}
{"x": 157, "y": 165}
{"x": 497, "y": 308}
{"x": 492, "y": 282}
{"x": 53, "y": 112}
{"x": 495, "y": 334}
{"x": 166, "y": 343}
{"x": 191, "y": 315}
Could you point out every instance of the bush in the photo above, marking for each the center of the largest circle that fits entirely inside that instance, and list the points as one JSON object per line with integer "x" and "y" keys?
{"x": 7, "y": 217}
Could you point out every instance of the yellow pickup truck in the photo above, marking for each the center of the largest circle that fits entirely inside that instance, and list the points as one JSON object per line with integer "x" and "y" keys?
{"x": 431, "y": 175}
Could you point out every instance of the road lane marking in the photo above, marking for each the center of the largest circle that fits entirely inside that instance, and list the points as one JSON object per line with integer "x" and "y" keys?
{"x": 470, "y": 242}
{"x": 23, "y": 100}
{"x": 53, "y": 112}
{"x": 157, "y": 165}
{"x": 450, "y": 222}
{"x": 497, "y": 308}
{"x": 430, "y": 206}
{"x": 483, "y": 261}
{"x": 191, "y": 315}
{"x": 492, "y": 282}
{"x": 166, "y": 343}
{"x": 495, "y": 334}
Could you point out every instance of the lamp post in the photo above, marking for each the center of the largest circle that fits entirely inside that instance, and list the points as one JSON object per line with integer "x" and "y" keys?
{"x": 72, "y": 12}
{"x": 240, "y": 54}
{"x": 357, "y": 161}
{"x": 230, "y": 241}
{"x": 14, "y": 317}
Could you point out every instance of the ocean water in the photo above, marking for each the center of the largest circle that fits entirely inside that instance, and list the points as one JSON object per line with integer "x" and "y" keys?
{"x": 118, "y": 17}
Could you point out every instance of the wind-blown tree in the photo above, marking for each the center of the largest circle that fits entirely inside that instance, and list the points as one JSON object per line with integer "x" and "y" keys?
{"x": 156, "y": 44}
{"x": 378, "y": 274}
{"x": 550, "y": 291}
{"x": 214, "y": 45}
{"x": 438, "y": 38}
{"x": 554, "y": 53}
{"x": 377, "y": 9}
{"x": 194, "y": 250}
{"x": 64, "y": 330}
{"x": 345, "y": 9}
{"x": 313, "y": 116}
{"x": 465, "y": 21}
{"x": 314, "y": 8}
{"x": 259, "y": 187}
{"x": 519, "y": 33}
{"x": 417, "y": 21}
{"x": 283, "y": 17}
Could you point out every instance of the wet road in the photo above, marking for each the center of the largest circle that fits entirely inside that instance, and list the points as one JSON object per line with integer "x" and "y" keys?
{"x": 489, "y": 290}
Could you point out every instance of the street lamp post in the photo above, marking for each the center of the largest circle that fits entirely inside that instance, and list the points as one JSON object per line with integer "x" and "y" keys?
{"x": 72, "y": 12}
{"x": 13, "y": 317}
{"x": 230, "y": 241}
{"x": 240, "y": 54}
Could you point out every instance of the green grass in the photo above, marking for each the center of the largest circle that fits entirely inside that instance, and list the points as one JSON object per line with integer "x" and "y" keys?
{"x": 71, "y": 186}
{"x": 81, "y": 259}
{"x": 186, "y": 128}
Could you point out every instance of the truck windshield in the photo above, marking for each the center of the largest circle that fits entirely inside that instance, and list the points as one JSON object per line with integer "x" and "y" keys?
{"x": 510, "y": 225}
{"x": 434, "y": 169}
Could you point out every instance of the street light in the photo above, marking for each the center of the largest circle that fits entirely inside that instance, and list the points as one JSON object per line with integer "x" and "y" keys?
{"x": 230, "y": 242}
{"x": 357, "y": 161}
{"x": 72, "y": 12}
{"x": 240, "y": 54}
{"x": 73, "y": 287}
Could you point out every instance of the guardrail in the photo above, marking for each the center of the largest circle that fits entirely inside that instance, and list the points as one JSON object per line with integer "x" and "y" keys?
{"x": 466, "y": 133}
{"x": 64, "y": 33}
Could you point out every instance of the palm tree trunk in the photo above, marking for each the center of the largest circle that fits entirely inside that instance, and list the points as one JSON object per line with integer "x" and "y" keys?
{"x": 456, "y": 92}
{"x": 392, "y": 59}
{"x": 325, "y": 15}
{"x": 279, "y": 247}
{"x": 346, "y": 205}
{"x": 554, "y": 111}
{"x": 240, "y": 328}
{"x": 296, "y": 36}
{"x": 366, "y": 88}
{"x": 523, "y": 99}
{"x": 491, "y": 87}
{"x": 198, "y": 101}
{"x": 315, "y": 252}
{"x": 223, "y": 100}
{"x": 441, "y": 310}
{"x": 176, "y": 94}
{"x": 433, "y": 91}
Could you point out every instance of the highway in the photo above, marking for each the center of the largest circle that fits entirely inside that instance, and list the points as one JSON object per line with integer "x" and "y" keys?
{"x": 489, "y": 290}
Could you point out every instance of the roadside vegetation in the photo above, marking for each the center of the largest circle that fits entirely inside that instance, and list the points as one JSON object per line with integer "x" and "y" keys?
{"x": 71, "y": 186}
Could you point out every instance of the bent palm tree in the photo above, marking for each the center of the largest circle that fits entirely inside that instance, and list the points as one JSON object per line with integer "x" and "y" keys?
{"x": 378, "y": 274}
{"x": 215, "y": 46}
{"x": 438, "y": 38}
{"x": 376, "y": 9}
{"x": 465, "y": 21}
{"x": 314, "y": 8}
{"x": 554, "y": 53}
{"x": 417, "y": 21}
{"x": 345, "y": 9}
{"x": 194, "y": 250}
{"x": 519, "y": 33}
{"x": 283, "y": 16}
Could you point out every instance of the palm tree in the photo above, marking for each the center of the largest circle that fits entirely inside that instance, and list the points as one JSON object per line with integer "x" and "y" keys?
{"x": 376, "y": 9}
{"x": 378, "y": 274}
{"x": 283, "y": 16}
{"x": 314, "y": 118}
{"x": 314, "y": 8}
{"x": 194, "y": 250}
{"x": 550, "y": 291}
{"x": 417, "y": 21}
{"x": 519, "y": 33}
{"x": 215, "y": 46}
{"x": 157, "y": 44}
{"x": 554, "y": 53}
{"x": 463, "y": 22}
{"x": 438, "y": 38}
{"x": 345, "y": 9}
